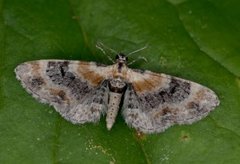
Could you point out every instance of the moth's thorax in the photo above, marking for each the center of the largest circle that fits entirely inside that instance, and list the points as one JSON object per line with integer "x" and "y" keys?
{"x": 120, "y": 70}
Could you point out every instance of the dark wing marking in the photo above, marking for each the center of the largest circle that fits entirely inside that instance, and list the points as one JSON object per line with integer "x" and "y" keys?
{"x": 151, "y": 107}
{"x": 77, "y": 90}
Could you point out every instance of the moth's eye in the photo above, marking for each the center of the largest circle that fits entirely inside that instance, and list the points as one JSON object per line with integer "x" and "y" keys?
{"x": 117, "y": 56}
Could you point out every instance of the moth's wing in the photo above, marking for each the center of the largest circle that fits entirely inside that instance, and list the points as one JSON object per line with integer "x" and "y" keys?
{"x": 153, "y": 102}
{"x": 77, "y": 90}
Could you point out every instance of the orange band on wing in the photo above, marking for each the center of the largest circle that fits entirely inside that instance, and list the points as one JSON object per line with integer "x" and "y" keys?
{"x": 89, "y": 73}
{"x": 149, "y": 84}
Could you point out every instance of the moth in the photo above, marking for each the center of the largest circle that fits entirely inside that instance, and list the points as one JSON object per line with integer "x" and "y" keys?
{"x": 84, "y": 91}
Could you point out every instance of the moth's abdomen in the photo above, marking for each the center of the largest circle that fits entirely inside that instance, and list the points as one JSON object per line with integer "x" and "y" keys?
{"x": 113, "y": 107}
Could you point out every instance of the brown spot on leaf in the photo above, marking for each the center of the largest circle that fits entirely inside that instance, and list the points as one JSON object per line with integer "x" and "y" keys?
{"x": 184, "y": 137}
{"x": 140, "y": 135}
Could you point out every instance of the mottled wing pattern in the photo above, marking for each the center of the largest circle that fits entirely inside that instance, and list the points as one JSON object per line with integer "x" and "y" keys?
{"x": 77, "y": 90}
{"x": 153, "y": 102}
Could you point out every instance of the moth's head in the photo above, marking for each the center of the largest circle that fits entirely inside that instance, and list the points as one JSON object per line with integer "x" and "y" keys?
{"x": 121, "y": 58}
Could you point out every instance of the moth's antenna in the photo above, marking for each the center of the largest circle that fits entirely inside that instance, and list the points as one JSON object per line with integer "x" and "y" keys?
{"x": 137, "y": 50}
{"x": 99, "y": 45}
{"x": 139, "y": 58}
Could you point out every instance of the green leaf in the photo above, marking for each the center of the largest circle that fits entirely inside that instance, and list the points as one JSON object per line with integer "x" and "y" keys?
{"x": 195, "y": 40}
